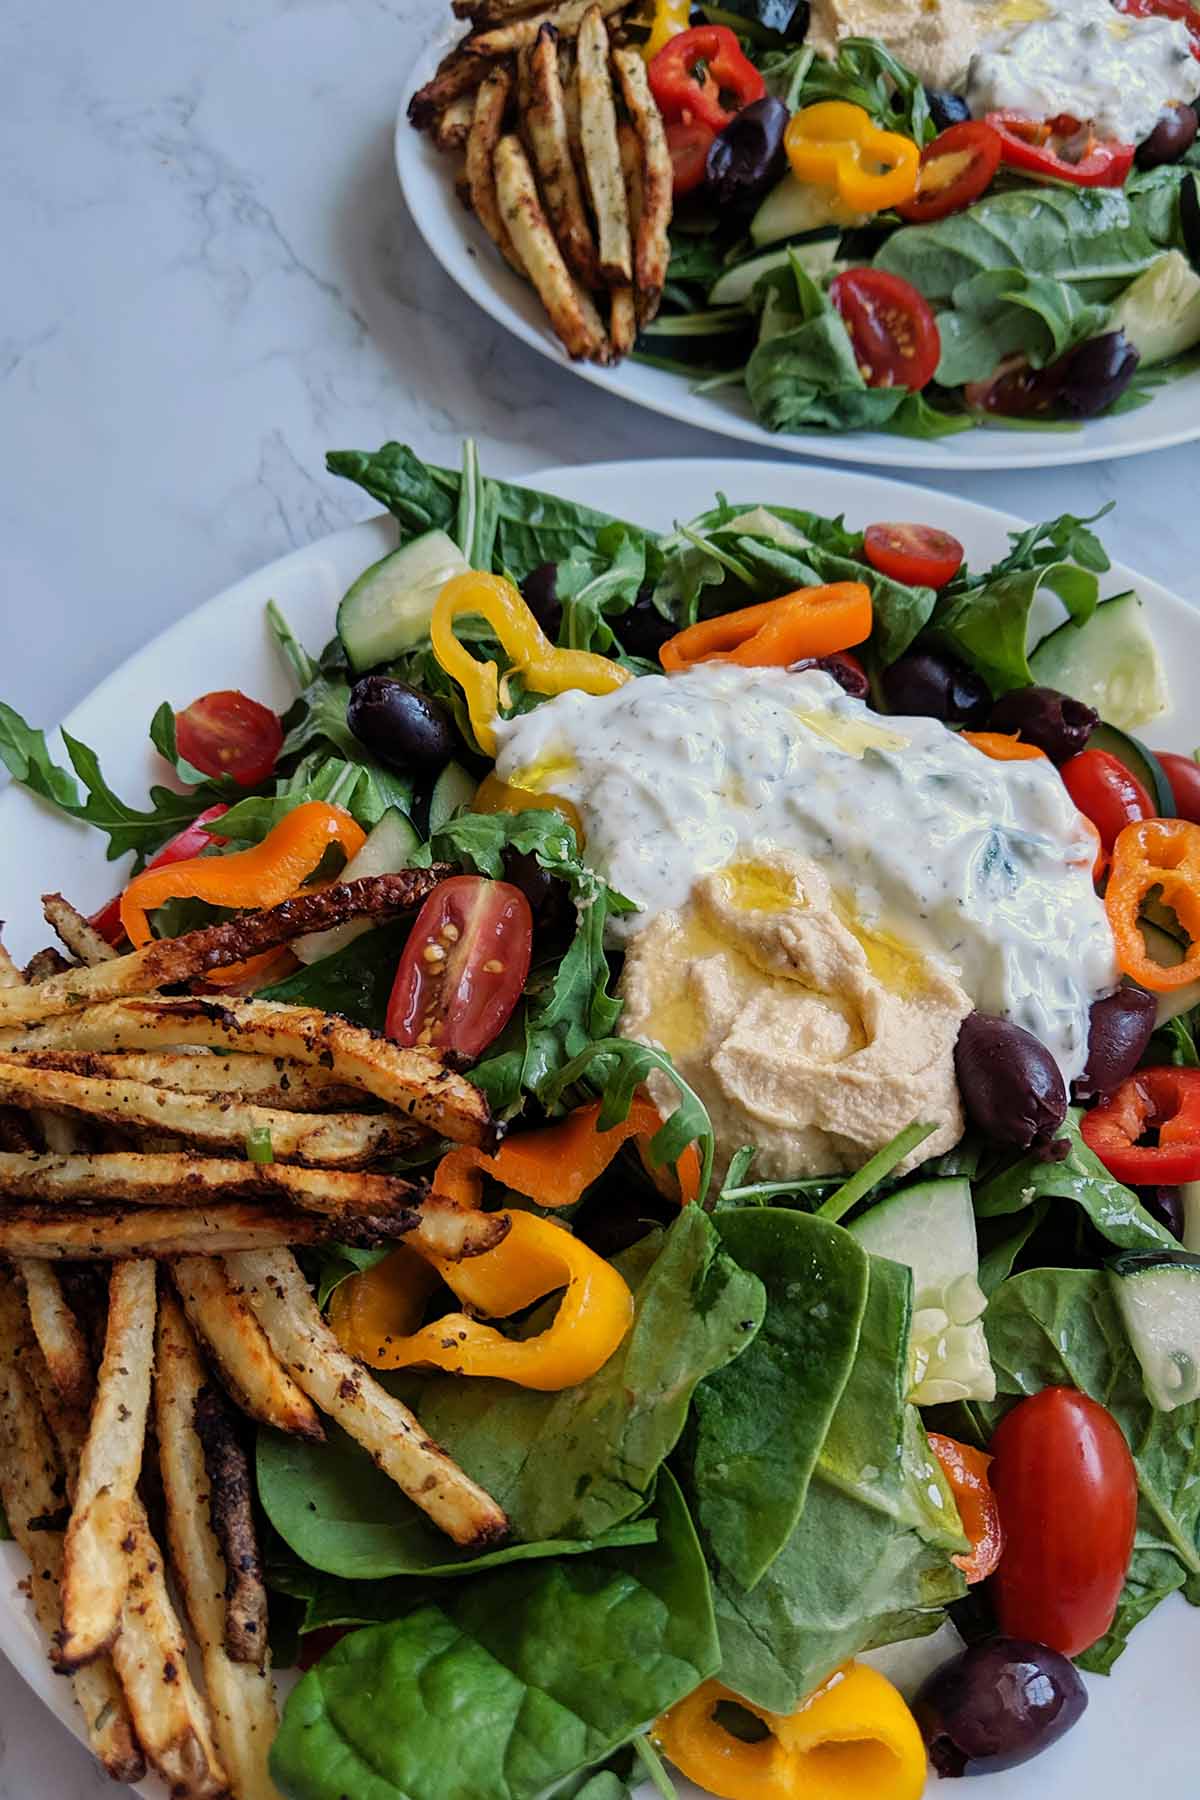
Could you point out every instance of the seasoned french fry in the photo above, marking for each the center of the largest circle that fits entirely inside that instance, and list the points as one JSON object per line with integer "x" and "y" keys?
{"x": 545, "y": 123}
{"x": 16, "y": 1131}
{"x": 238, "y": 1346}
{"x": 458, "y": 73}
{"x": 572, "y": 313}
{"x": 95, "y": 1557}
{"x": 453, "y": 123}
{"x": 622, "y": 321}
{"x": 601, "y": 153}
{"x": 232, "y": 1513}
{"x": 78, "y": 934}
{"x": 491, "y": 102}
{"x": 44, "y": 965}
{"x": 630, "y": 147}
{"x": 277, "y": 1291}
{"x": 653, "y": 246}
{"x": 258, "y": 1080}
{"x": 75, "y": 1234}
{"x": 566, "y": 18}
{"x": 59, "y": 1334}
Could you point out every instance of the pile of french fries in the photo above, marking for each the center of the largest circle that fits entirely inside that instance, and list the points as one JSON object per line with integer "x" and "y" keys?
{"x": 151, "y": 1305}
{"x": 566, "y": 161}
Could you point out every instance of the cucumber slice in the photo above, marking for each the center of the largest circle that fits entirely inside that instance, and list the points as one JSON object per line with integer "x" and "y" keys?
{"x": 794, "y": 208}
{"x": 816, "y": 254}
{"x": 1158, "y": 1298}
{"x": 1111, "y": 662}
{"x": 388, "y": 609}
{"x": 1189, "y": 1193}
{"x": 452, "y": 789}
{"x": 1167, "y": 949}
{"x": 930, "y": 1228}
{"x": 1141, "y": 763}
{"x": 388, "y": 849}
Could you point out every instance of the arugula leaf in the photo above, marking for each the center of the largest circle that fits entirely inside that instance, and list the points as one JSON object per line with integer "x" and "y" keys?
{"x": 1064, "y": 539}
{"x": 598, "y": 582}
{"x": 866, "y": 74}
{"x": 1115, "y": 1211}
{"x": 617, "y": 1067}
{"x": 988, "y": 626}
{"x": 296, "y": 656}
{"x": 28, "y": 760}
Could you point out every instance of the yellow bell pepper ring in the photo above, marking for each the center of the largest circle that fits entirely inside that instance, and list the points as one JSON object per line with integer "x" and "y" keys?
{"x": 835, "y": 144}
{"x": 854, "y": 1739}
{"x": 670, "y": 18}
{"x": 543, "y": 668}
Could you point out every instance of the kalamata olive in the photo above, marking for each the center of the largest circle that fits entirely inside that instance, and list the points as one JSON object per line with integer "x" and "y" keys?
{"x": 1041, "y": 715}
{"x": 642, "y": 630}
{"x": 997, "y": 1704}
{"x": 1120, "y": 1027}
{"x": 747, "y": 157}
{"x": 931, "y": 685}
{"x": 539, "y": 590}
{"x": 400, "y": 725}
{"x": 1174, "y": 133}
{"x": 847, "y": 671}
{"x": 1095, "y": 375}
{"x": 549, "y": 899}
{"x": 1012, "y": 1089}
{"x": 1166, "y": 1205}
{"x": 946, "y": 109}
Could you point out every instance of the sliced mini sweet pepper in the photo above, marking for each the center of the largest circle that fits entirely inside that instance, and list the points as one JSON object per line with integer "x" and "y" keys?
{"x": 838, "y": 145}
{"x": 696, "y": 70}
{"x": 854, "y": 1739}
{"x": 1162, "y": 854}
{"x": 815, "y": 621}
{"x": 543, "y": 668}
{"x": 966, "y": 1470}
{"x": 671, "y": 17}
{"x": 1161, "y": 1104}
{"x": 265, "y": 875}
{"x": 496, "y": 796}
{"x": 1002, "y": 746}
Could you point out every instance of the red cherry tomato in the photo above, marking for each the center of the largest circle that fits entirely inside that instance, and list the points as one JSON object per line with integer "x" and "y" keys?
{"x": 955, "y": 169}
{"x": 1106, "y": 793}
{"x": 227, "y": 733}
{"x": 892, "y": 328}
{"x": 919, "y": 555}
{"x": 463, "y": 967}
{"x": 1067, "y": 1491}
{"x": 1062, "y": 149}
{"x": 702, "y": 73}
{"x": 689, "y": 141}
{"x": 1183, "y": 773}
{"x": 189, "y": 842}
{"x": 1160, "y": 1104}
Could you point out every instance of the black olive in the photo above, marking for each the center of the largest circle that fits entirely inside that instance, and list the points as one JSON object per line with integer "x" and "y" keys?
{"x": 549, "y": 899}
{"x": 997, "y": 1704}
{"x": 1042, "y": 716}
{"x": 1164, "y": 1204}
{"x": 930, "y": 685}
{"x": 946, "y": 109}
{"x": 747, "y": 157}
{"x": 1174, "y": 134}
{"x": 1012, "y": 1089}
{"x": 1095, "y": 375}
{"x": 539, "y": 590}
{"x": 1120, "y": 1027}
{"x": 400, "y": 725}
{"x": 642, "y": 630}
{"x": 850, "y": 675}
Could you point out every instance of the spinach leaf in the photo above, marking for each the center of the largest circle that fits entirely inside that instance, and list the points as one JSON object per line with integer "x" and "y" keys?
{"x": 760, "y": 1422}
{"x": 1115, "y": 1211}
{"x": 1002, "y": 312}
{"x": 988, "y": 626}
{"x": 517, "y": 1681}
{"x": 999, "y": 1251}
{"x": 598, "y": 582}
{"x": 355, "y": 981}
{"x": 868, "y": 1561}
{"x": 1153, "y": 1576}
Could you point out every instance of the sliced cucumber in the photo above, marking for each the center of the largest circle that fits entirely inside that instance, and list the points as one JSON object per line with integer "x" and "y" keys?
{"x": 794, "y": 208}
{"x": 816, "y": 254}
{"x": 1167, "y": 950}
{"x": 452, "y": 789}
{"x": 1142, "y": 764}
{"x": 388, "y": 609}
{"x": 1158, "y": 1298}
{"x": 1111, "y": 662}
{"x": 388, "y": 849}
{"x": 1189, "y": 1193}
{"x": 930, "y": 1227}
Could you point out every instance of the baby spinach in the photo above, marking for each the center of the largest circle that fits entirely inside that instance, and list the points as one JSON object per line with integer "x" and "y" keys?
{"x": 1115, "y": 1211}
{"x": 355, "y": 981}
{"x": 1002, "y": 312}
{"x": 988, "y": 626}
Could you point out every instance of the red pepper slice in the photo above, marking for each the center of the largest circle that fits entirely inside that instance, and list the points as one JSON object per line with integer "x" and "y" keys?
{"x": 955, "y": 169}
{"x": 1164, "y": 1100}
{"x": 700, "y": 72}
{"x": 188, "y": 843}
{"x": 1061, "y": 148}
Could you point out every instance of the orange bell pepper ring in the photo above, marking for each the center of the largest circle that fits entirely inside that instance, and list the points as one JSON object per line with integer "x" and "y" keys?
{"x": 854, "y": 1739}
{"x": 967, "y": 1472}
{"x": 813, "y": 621}
{"x": 264, "y": 875}
{"x": 1001, "y": 746}
{"x": 1163, "y": 854}
{"x": 835, "y": 144}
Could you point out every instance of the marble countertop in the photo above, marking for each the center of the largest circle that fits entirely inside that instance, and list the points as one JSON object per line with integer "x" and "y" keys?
{"x": 210, "y": 279}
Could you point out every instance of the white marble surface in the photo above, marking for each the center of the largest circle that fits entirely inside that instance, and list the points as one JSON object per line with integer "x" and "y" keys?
{"x": 208, "y": 279}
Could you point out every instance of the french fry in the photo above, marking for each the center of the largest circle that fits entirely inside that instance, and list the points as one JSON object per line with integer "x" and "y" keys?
{"x": 16, "y": 1132}
{"x": 566, "y": 18}
{"x": 95, "y": 1554}
{"x": 415, "y": 1081}
{"x": 601, "y": 152}
{"x": 458, "y": 73}
{"x": 572, "y": 312}
{"x": 622, "y": 321}
{"x": 110, "y": 1233}
{"x": 258, "y": 1080}
{"x": 631, "y": 168}
{"x": 232, "y": 1515}
{"x": 45, "y": 965}
{"x": 653, "y": 245}
{"x": 277, "y": 1291}
{"x": 58, "y": 1333}
{"x": 491, "y": 103}
{"x": 10, "y": 975}
{"x": 239, "y": 1689}
{"x": 492, "y": 12}
{"x": 238, "y": 1346}
{"x": 545, "y": 123}
{"x": 453, "y": 123}
{"x": 78, "y": 934}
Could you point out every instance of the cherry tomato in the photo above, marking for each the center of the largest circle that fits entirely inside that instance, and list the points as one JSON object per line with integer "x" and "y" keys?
{"x": 955, "y": 169}
{"x": 189, "y": 842}
{"x": 227, "y": 733}
{"x": 892, "y": 329}
{"x": 919, "y": 555}
{"x": 1067, "y": 1491}
{"x": 1061, "y": 148}
{"x": 967, "y": 1472}
{"x": 1183, "y": 773}
{"x": 1106, "y": 793}
{"x": 689, "y": 141}
{"x": 463, "y": 967}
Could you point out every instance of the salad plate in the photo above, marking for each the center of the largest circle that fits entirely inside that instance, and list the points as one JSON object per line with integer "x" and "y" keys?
{"x": 1138, "y": 1726}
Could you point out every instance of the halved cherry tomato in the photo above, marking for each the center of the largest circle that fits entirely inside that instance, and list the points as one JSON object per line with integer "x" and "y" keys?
{"x": 967, "y": 1472}
{"x": 188, "y": 843}
{"x": 1105, "y": 792}
{"x": 227, "y": 733}
{"x": 1163, "y": 1104}
{"x": 918, "y": 555}
{"x": 1183, "y": 773}
{"x": 463, "y": 967}
{"x": 955, "y": 169}
{"x": 892, "y": 328}
{"x": 689, "y": 141}
{"x": 703, "y": 74}
{"x": 1067, "y": 1491}
{"x": 1061, "y": 148}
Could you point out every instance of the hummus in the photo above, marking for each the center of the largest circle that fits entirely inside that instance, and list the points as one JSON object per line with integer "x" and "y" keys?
{"x": 934, "y": 38}
{"x": 805, "y": 1035}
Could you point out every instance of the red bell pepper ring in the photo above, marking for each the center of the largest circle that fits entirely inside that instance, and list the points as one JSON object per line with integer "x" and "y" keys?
{"x": 1165, "y": 1100}
{"x": 1061, "y": 148}
{"x": 188, "y": 843}
{"x": 694, "y": 74}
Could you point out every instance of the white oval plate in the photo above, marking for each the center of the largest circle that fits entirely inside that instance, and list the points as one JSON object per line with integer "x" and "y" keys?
{"x": 470, "y": 259}
{"x": 1139, "y": 1731}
